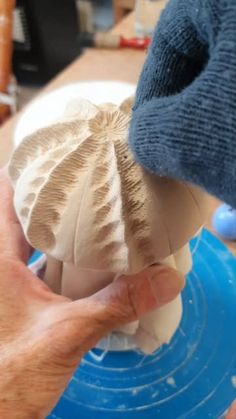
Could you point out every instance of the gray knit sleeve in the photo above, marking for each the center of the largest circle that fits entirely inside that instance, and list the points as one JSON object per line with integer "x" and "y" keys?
{"x": 184, "y": 118}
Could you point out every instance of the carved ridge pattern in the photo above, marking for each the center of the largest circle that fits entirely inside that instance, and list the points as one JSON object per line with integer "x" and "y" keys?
{"x": 135, "y": 198}
{"x": 44, "y": 216}
{"x": 43, "y": 140}
{"x": 113, "y": 161}
{"x": 116, "y": 192}
{"x": 109, "y": 125}
{"x": 107, "y": 222}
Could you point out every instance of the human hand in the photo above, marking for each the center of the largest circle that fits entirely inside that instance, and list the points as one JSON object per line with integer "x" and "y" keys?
{"x": 43, "y": 335}
{"x": 232, "y": 412}
{"x": 184, "y": 119}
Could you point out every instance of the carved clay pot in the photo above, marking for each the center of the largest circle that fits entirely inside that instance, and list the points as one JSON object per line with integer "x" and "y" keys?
{"x": 96, "y": 213}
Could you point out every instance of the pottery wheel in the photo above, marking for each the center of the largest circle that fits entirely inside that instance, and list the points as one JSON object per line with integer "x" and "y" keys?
{"x": 193, "y": 377}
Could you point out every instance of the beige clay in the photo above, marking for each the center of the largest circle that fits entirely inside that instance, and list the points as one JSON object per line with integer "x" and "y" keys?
{"x": 83, "y": 201}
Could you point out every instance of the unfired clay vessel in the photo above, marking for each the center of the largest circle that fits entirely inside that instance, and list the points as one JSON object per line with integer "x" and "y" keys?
{"x": 82, "y": 200}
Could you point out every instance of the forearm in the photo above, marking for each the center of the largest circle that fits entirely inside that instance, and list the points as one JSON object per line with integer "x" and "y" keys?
{"x": 16, "y": 385}
{"x": 14, "y": 411}
{"x": 11, "y": 404}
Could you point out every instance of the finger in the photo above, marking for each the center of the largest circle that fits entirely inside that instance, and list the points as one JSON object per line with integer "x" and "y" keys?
{"x": 125, "y": 300}
{"x": 12, "y": 241}
{"x": 232, "y": 411}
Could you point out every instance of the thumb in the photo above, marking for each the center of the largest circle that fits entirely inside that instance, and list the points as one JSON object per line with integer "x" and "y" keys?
{"x": 124, "y": 301}
{"x": 12, "y": 240}
{"x": 232, "y": 412}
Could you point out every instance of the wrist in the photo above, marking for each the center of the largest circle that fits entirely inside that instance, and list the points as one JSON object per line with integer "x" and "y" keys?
{"x": 13, "y": 402}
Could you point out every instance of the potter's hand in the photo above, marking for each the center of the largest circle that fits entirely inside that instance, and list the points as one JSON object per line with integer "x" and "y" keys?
{"x": 232, "y": 412}
{"x": 43, "y": 335}
{"x": 184, "y": 122}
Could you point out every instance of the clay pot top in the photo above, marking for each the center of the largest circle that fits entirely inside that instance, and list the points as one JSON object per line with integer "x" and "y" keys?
{"x": 82, "y": 198}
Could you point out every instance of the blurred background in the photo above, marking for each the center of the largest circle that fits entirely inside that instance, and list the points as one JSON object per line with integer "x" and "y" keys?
{"x": 39, "y": 38}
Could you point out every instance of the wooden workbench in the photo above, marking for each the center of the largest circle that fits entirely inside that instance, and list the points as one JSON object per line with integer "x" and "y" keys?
{"x": 119, "y": 65}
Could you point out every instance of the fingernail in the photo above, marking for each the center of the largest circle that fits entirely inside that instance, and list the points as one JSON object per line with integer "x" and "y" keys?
{"x": 166, "y": 284}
